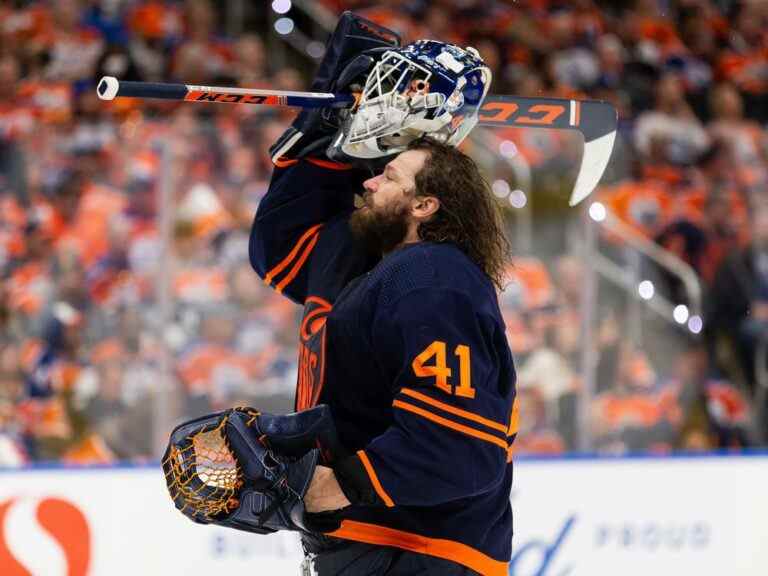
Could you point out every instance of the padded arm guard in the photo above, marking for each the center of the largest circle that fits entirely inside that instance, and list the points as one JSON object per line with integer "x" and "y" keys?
{"x": 247, "y": 470}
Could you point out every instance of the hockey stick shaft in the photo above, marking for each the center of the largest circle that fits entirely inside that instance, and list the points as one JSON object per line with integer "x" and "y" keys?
{"x": 110, "y": 88}
{"x": 497, "y": 110}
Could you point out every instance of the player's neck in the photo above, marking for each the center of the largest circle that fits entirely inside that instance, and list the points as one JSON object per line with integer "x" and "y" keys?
{"x": 411, "y": 237}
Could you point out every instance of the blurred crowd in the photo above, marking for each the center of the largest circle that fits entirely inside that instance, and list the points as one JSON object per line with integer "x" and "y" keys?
{"x": 102, "y": 297}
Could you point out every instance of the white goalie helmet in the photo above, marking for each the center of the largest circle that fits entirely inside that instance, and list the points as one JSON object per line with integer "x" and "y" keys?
{"x": 426, "y": 88}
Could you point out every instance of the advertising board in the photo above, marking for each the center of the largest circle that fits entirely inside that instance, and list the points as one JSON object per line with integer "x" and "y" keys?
{"x": 636, "y": 516}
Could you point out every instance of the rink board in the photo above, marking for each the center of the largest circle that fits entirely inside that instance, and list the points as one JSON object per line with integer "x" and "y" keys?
{"x": 629, "y": 516}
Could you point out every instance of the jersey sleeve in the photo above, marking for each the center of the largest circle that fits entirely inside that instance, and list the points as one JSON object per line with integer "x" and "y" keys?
{"x": 452, "y": 407}
{"x": 304, "y": 196}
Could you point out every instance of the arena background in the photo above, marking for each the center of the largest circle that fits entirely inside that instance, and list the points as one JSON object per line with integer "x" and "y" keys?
{"x": 638, "y": 320}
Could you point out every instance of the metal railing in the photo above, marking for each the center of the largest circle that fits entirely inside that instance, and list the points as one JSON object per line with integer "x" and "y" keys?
{"x": 666, "y": 260}
{"x": 626, "y": 278}
{"x": 165, "y": 409}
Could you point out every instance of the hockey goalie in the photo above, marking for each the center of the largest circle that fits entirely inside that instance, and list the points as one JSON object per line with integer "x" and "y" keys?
{"x": 397, "y": 459}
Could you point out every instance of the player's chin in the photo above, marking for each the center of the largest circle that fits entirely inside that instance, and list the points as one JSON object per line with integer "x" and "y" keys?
{"x": 362, "y": 219}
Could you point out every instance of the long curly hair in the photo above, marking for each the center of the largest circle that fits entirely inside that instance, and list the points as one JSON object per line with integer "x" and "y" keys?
{"x": 468, "y": 215}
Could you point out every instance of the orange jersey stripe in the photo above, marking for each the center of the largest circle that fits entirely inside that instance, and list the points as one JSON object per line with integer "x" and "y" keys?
{"x": 291, "y": 255}
{"x": 296, "y": 267}
{"x": 284, "y": 162}
{"x": 514, "y": 419}
{"x": 451, "y": 424}
{"x": 329, "y": 164}
{"x": 375, "y": 479}
{"x": 446, "y": 549}
{"x": 453, "y": 410}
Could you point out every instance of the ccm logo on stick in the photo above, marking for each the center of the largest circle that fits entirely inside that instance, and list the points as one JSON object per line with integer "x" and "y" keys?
{"x": 235, "y": 98}
{"x": 47, "y": 536}
{"x": 510, "y": 112}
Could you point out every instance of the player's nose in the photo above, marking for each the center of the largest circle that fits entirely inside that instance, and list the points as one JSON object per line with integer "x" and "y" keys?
{"x": 371, "y": 184}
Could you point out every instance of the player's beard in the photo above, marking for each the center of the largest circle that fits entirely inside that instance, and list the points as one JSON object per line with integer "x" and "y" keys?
{"x": 382, "y": 229}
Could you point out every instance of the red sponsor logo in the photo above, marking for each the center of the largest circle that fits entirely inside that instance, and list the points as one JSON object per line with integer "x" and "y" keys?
{"x": 59, "y": 520}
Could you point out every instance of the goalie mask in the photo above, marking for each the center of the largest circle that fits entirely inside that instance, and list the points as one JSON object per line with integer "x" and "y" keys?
{"x": 426, "y": 88}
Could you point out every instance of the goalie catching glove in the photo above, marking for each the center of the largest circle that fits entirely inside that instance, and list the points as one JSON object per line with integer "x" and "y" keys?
{"x": 248, "y": 470}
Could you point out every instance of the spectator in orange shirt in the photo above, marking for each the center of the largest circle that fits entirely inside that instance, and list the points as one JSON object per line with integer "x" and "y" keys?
{"x": 30, "y": 283}
{"x": 745, "y": 61}
{"x": 652, "y": 30}
{"x": 212, "y": 370}
{"x": 87, "y": 209}
{"x": 63, "y": 194}
{"x": 155, "y": 25}
{"x": 631, "y": 416}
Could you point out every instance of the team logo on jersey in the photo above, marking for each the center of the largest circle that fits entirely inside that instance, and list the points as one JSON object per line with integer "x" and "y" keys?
{"x": 43, "y": 536}
{"x": 311, "y": 352}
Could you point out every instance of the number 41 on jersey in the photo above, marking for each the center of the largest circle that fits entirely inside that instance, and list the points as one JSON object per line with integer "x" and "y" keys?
{"x": 441, "y": 372}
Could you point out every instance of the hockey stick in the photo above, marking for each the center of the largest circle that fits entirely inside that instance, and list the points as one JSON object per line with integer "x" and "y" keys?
{"x": 594, "y": 119}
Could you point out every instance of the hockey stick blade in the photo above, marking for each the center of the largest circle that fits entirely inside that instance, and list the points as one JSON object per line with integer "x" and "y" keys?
{"x": 594, "y": 119}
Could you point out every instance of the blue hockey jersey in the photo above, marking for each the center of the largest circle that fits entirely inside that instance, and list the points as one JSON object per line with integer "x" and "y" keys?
{"x": 410, "y": 353}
